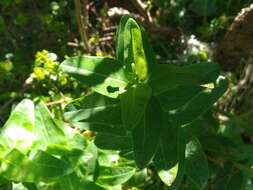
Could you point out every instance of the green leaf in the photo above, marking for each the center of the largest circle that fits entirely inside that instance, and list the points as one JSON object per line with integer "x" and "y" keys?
{"x": 19, "y": 186}
{"x": 178, "y": 96}
{"x": 87, "y": 165}
{"x": 139, "y": 57}
{"x": 168, "y": 176}
{"x": 47, "y": 130}
{"x": 30, "y": 186}
{"x": 149, "y": 52}
{"x": 89, "y": 185}
{"x": 169, "y": 159}
{"x": 196, "y": 166}
{"x": 167, "y": 153}
{"x": 202, "y": 99}
{"x": 133, "y": 104}
{"x": 147, "y": 133}
{"x": 13, "y": 163}
{"x": 48, "y": 167}
{"x": 139, "y": 178}
{"x": 181, "y": 161}
{"x": 166, "y": 76}
{"x": 18, "y": 130}
{"x": 105, "y": 75}
{"x": 113, "y": 141}
{"x": 114, "y": 175}
{"x": 42, "y": 167}
{"x": 53, "y": 136}
{"x": 71, "y": 182}
{"x": 133, "y": 48}
{"x": 123, "y": 41}
{"x": 96, "y": 113}
{"x": 30, "y": 129}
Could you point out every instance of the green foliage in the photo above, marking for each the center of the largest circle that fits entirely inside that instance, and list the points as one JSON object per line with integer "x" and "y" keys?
{"x": 151, "y": 126}
{"x": 152, "y": 111}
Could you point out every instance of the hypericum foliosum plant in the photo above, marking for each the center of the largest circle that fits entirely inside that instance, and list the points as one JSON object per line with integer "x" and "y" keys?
{"x": 147, "y": 119}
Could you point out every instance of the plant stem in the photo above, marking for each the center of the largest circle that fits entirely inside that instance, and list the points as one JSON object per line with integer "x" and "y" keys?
{"x": 82, "y": 23}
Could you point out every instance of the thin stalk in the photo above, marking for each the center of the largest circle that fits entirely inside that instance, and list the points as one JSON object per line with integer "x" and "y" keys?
{"x": 81, "y": 24}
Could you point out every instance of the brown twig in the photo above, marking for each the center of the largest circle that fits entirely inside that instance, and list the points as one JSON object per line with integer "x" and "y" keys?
{"x": 82, "y": 23}
{"x": 106, "y": 39}
{"x": 57, "y": 102}
{"x": 73, "y": 44}
{"x": 142, "y": 8}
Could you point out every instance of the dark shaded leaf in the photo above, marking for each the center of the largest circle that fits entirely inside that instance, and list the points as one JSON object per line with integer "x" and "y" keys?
{"x": 196, "y": 166}
{"x": 165, "y": 77}
{"x": 96, "y": 113}
{"x": 147, "y": 133}
{"x": 133, "y": 104}
{"x": 113, "y": 141}
{"x": 194, "y": 106}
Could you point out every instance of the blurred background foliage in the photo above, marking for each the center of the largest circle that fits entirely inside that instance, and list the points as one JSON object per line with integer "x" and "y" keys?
{"x": 35, "y": 36}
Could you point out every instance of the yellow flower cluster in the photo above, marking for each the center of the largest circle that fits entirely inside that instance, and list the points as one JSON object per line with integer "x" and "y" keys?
{"x": 46, "y": 66}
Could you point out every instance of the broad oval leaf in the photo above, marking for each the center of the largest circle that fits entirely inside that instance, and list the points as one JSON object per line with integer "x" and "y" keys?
{"x": 133, "y": 48}
{"x": 43, "y": 167}
{"x": 168, "y": 176}
{"x": 133, "y": 104}
{"x": 181, "y": 145}
{"x": 165, "y": 76}
{"x": 167, "y": 154}
{"x": 96, "y": 113}
{"x": 113, "y": 141}
{"x": 46, "y": 128}
{"x": 105, "y": 75}
{"x": 139, "y": 57}
{"x": 169, "y": 159}
{"x": 48, "y": 167}
{"x": 147, "y": 133}
{"x": 196, "y": 166}
{"x": 114, "y": 175}
{"x": 184, "y": 109}
{"x": 18, "y": 131}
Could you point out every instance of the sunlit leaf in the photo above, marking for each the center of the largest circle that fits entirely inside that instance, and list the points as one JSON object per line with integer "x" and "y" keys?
{"x": 105, "y": 75}
{"x": 114, "y": 175}
{"x": 18, "y": 131}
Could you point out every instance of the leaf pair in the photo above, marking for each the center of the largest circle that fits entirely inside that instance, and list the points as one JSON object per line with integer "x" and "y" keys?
{"x": 145, "y": 114}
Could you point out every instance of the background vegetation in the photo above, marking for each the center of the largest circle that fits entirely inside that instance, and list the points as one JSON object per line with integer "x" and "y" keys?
{"x": 35, "y": 36}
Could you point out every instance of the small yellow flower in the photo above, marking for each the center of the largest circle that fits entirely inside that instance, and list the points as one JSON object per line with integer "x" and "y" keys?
{"x": 39, "y": 73}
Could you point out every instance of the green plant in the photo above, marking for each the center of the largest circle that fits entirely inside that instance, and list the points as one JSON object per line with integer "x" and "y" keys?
{"x": 148, "y": 118}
